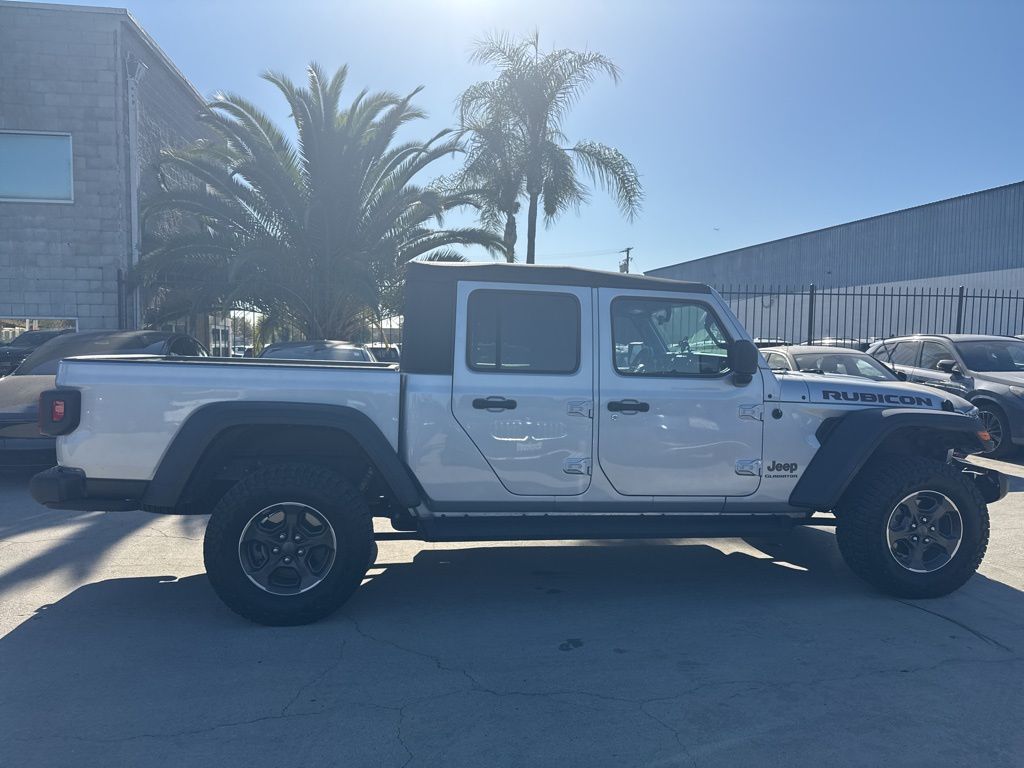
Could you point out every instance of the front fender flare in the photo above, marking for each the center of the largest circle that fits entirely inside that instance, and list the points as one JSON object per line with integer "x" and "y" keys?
{"x": 847, "y": 444}
{"x": 206, "y": 423}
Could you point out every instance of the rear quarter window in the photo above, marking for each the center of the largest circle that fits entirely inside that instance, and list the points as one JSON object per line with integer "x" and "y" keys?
{"x": 523, "y": 332}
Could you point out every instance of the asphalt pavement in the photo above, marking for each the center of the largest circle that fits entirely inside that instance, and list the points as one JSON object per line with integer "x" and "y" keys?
{"x": 114, "y": 651}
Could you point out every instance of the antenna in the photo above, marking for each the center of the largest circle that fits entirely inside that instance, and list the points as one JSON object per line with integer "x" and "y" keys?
{"x": 624, "y": 263}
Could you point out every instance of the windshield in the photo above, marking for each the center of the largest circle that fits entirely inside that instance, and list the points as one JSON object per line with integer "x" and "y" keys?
{"x": 992, "y": 355}
{"x": 44, "y": 361}
{"x": 317, "y": 352}
{"x": 32, "y": 338}
{"x": 845, "y": 364}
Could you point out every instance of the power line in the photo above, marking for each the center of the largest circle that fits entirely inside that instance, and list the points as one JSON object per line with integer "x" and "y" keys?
{"x": 577, "y": 254}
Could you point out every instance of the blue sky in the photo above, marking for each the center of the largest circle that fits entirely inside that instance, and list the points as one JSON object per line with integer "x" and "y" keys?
{"x": 748, "y": 121}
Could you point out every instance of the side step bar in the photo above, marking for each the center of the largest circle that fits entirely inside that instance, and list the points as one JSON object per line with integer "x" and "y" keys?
{"x": 599, "y": 527}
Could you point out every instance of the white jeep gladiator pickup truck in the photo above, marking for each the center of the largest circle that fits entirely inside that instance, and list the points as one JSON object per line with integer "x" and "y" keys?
{"x": 531, "y": 403}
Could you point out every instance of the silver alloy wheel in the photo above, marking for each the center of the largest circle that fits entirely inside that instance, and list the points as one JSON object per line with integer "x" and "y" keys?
{"x": 924, "y": 531}
{"x": 287, "y": 548}
{"x": 993, "y": 426}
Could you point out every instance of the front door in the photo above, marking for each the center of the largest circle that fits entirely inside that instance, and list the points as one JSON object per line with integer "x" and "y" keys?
{"x": 928, "y": 371}
{"x": 523, "y": 383}
{"x": 671, "y": 420}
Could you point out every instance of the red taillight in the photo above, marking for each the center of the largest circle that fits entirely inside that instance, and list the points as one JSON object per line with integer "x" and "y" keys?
{"x": 59, "y": 410}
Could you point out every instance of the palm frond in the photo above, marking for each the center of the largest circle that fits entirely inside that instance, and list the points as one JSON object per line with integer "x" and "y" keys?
{"x": 613, "y": 172}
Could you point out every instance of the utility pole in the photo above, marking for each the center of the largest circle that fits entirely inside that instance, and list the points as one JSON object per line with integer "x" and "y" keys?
{"x": 624, "y": 263}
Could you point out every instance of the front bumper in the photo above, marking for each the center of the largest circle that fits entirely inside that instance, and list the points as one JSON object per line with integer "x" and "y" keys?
{"x": 1015, "y": 415}
{"x": 66, "y": 488}
{"x": 989, "y": 475}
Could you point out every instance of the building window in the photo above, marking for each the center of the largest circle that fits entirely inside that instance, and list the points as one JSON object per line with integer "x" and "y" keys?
{"x": 523, "y": 332}
{"x": 35, "y": 167}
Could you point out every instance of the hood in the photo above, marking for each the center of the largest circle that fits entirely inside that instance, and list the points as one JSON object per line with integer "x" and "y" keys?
{"x": 1009, "y": 378}
{"x": 19, "y": 396}
{"x": 855, "y": 390}
{"x": 7, "y": 352}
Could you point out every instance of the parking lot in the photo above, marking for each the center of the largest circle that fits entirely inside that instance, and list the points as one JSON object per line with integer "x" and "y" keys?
{"x": 115, "y": 651}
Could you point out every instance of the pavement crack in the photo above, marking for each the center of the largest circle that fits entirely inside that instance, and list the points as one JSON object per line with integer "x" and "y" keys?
{"x": 673, "y": 730}
{"x": 474, "y": 683}
{"x": 980, "y": 635}
{"x": 163, "y": 534}
{"x": 316, "y": 680}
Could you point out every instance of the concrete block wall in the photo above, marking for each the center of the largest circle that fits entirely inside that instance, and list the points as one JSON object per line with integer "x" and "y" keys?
{"x": 58, "y": 72}
{"x": 62, "y": 70}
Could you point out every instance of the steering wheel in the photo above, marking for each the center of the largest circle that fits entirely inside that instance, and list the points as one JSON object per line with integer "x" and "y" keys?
{"x": 710, "y": 328}
{"x": 643, "y": 359}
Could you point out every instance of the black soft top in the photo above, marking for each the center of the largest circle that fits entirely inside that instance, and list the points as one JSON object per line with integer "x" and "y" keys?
{"x": 542, "y": 274}
{"x": 429, "y": 328}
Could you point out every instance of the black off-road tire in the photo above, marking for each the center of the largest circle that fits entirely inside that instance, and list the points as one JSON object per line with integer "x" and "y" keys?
{"x": 863, "y": 517}
{"x": 333, "y": 497}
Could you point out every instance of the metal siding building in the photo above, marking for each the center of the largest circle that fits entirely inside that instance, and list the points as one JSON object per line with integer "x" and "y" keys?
{"x": 975, "y": 240}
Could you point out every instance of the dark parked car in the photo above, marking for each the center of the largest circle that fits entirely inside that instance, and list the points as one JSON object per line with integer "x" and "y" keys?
{"x": 385, "y": 353}
{"x": 987, "y": 370}
{"x": 319, "y": 349}
{"x": 828, "y": 360}
{"x": 20, "y": 441}
{"x": 24, "y": 345}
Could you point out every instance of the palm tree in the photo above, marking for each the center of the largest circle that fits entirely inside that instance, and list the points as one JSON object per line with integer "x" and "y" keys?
{"x": 312, "y": 232}
{"x": 492, "y": 176}
{"x": 514, "y": 125}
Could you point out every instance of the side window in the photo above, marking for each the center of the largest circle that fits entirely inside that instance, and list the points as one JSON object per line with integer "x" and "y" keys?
{"x": 523, "y": 332}
{"x": 777, "y": 361}
{"x": 184, "y": 347}
{"x": 667, "y": 337}
{"x": 932, "y": 352}
{"x": 905, "y": 353}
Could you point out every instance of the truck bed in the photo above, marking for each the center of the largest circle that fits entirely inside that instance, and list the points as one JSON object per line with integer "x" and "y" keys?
{"x": 124, "y": 429}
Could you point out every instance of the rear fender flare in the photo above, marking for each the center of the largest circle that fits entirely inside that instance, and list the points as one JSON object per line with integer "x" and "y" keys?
{"x": 206, "y": 423}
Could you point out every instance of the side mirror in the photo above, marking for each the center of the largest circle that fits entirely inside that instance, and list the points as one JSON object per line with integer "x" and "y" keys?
{"x": 900, "y": 375}
{"x": 743, "y": 361}
{"x": 948, "y": 366}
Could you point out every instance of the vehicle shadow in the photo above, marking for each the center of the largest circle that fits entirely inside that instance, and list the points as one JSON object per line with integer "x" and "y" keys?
{"x": 67, "y": 543}
{"x": 527, "y": 655}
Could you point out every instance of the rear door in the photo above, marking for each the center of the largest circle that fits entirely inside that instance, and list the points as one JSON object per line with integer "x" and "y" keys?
{"x": 901, "y": 355}
{"x": 523, "y": 383}
{"x": 928, "y": 371}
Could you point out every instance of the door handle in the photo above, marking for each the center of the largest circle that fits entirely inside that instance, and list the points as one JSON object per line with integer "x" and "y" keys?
{"x": 628, "y": 406}
{"x": 494, "y": 403}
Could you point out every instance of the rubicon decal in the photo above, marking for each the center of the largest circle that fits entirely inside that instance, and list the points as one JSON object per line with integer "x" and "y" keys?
{"x": 876, "y": 397}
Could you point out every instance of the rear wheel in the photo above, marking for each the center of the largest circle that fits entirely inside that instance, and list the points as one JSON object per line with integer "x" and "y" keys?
{"x": 288, "y": 544}
{"x": 912, "y": 527}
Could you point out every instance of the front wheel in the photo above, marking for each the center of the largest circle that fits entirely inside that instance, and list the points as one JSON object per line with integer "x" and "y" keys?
{"x": 912, "y": 527}
{"x": 998, "y": 428}
{"x": 288, "y": 544}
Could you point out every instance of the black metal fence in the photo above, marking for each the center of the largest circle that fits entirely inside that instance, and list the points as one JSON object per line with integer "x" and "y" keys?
{"x": 809, "y": 313}
{"x": 793, "y": 315}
